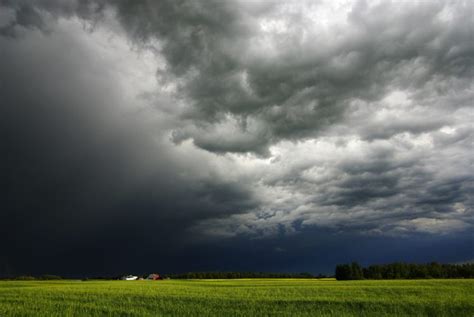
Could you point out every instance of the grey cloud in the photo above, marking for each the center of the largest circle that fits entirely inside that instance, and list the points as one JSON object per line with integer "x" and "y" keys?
{"x": 378, "y": 187}
{"x": 301, "y": 87}
{"x": 40, "y": 14}
{"x": 290, "y": 86}
{"x": 24, "y": 16}
{"x": 83, "y": 168}
{"x": 248, "y": 89}
{"x": 358, "y": 129}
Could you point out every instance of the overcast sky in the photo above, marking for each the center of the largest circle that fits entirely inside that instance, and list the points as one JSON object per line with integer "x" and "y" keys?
{"x": 173, "y": 136}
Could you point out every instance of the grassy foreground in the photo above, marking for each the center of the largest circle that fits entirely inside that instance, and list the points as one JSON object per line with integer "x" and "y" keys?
{"x": 252, "y": 297}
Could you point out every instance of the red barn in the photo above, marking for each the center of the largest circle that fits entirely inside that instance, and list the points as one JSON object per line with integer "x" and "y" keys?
{"x": 154, "y": 277}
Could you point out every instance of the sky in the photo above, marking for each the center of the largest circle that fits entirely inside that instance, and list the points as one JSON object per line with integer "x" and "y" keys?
{"x": 173, "y": 136}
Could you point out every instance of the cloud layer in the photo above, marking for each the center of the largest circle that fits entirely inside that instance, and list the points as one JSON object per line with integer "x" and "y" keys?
{"x": 181, "y": 124}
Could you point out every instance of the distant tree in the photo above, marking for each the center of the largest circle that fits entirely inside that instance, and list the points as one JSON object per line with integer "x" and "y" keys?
{"x": 400, "y": 270}
{"x": 50, "y": 277}
{"x": 356, "y": 271}
{"x": 343, "y": 272}
{"x": 373, "y": 272}
{"x": 234, "y": 275}
{"x": 25, "y": 278}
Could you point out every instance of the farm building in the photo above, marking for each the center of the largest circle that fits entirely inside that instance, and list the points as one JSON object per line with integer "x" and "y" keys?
{"x": 154, "y": 277}
{"x": 130, "y": 278}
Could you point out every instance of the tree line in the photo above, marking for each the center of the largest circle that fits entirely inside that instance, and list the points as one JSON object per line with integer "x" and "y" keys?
{"x": 234, "y": 275}
{"x": 400, "y": 270}
{"x": 188, "y": 275}
{"x": 45, "y": 277}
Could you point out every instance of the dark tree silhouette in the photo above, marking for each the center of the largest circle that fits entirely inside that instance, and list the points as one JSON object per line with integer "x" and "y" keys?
{"x": 400, "y": 270}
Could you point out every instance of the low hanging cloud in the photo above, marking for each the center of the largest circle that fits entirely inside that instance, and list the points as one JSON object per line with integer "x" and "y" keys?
{"x": 174, "y": 123}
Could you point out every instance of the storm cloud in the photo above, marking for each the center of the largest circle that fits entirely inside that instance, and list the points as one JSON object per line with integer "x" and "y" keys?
{"x": 201, "y": 132}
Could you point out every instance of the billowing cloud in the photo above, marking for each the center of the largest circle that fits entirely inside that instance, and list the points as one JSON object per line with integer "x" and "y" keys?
{"x": 184, "y": 125}
{"x": 270, "y": 72}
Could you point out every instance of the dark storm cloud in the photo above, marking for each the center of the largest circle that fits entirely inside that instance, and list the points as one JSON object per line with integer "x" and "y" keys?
{"x": 270, "y": 86}
{"x": 26, "y": 17}
{"x": 320, "y": 124}
{"x": 38, "y": 14}
{"x": 83, "y": 177}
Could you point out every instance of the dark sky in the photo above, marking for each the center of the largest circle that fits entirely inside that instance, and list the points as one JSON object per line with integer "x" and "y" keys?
{"x": 174, "y": 136}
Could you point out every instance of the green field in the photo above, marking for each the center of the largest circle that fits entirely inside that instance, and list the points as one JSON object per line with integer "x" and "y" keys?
{"x": 252, "y": 297}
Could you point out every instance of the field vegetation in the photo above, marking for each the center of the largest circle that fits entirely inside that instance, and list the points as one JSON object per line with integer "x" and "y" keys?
{"x": 243, "y": 297}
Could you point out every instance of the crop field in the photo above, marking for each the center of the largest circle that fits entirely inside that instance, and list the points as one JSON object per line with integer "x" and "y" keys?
{"x": 244, "y": 297}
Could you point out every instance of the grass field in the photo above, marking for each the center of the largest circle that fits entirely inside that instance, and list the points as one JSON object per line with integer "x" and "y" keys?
{"x": 253, "y": 297}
